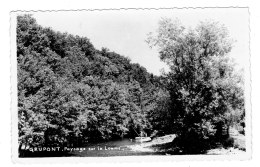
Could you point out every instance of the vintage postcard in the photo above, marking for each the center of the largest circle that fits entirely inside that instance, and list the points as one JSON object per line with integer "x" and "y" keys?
{"x": 131, "y": 84}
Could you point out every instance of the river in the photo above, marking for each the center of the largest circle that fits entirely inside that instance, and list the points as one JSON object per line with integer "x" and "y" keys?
{"x": 122, "y": 147}
{"x": 110, "y": 148}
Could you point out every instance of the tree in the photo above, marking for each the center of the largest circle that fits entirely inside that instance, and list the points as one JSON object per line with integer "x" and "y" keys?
{"x": 202, "y": 85}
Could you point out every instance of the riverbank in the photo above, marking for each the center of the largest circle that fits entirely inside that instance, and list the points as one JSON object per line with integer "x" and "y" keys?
{"x": 163, "y": 145}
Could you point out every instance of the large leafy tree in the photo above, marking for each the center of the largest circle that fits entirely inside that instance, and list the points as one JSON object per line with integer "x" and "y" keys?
{"x": 203, "y": 88}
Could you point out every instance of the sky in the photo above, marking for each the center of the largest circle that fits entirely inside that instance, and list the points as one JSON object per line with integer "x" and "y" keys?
{"x": 125, "y": 31}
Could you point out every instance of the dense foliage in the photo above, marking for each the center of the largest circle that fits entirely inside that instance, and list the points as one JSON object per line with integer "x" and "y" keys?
{"x": 70, "y": 93}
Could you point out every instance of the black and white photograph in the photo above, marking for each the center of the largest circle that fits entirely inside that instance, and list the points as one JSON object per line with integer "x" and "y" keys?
{"x": 132, "y": 82}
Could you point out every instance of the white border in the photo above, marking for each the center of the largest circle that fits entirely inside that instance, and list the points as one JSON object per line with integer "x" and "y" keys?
{"x": 14, "y": 92}
{"x": 5, "y": 96}
{"x": 15, "y": 158}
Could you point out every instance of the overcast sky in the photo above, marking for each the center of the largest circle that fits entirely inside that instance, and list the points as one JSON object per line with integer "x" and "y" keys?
{"x": 125, "y": 31}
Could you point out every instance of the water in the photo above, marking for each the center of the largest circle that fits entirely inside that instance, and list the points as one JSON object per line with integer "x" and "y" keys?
{"x": 110, "y": 148}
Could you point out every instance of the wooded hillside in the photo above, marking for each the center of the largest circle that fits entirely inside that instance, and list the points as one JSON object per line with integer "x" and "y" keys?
{"x": 70, "y": 92}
